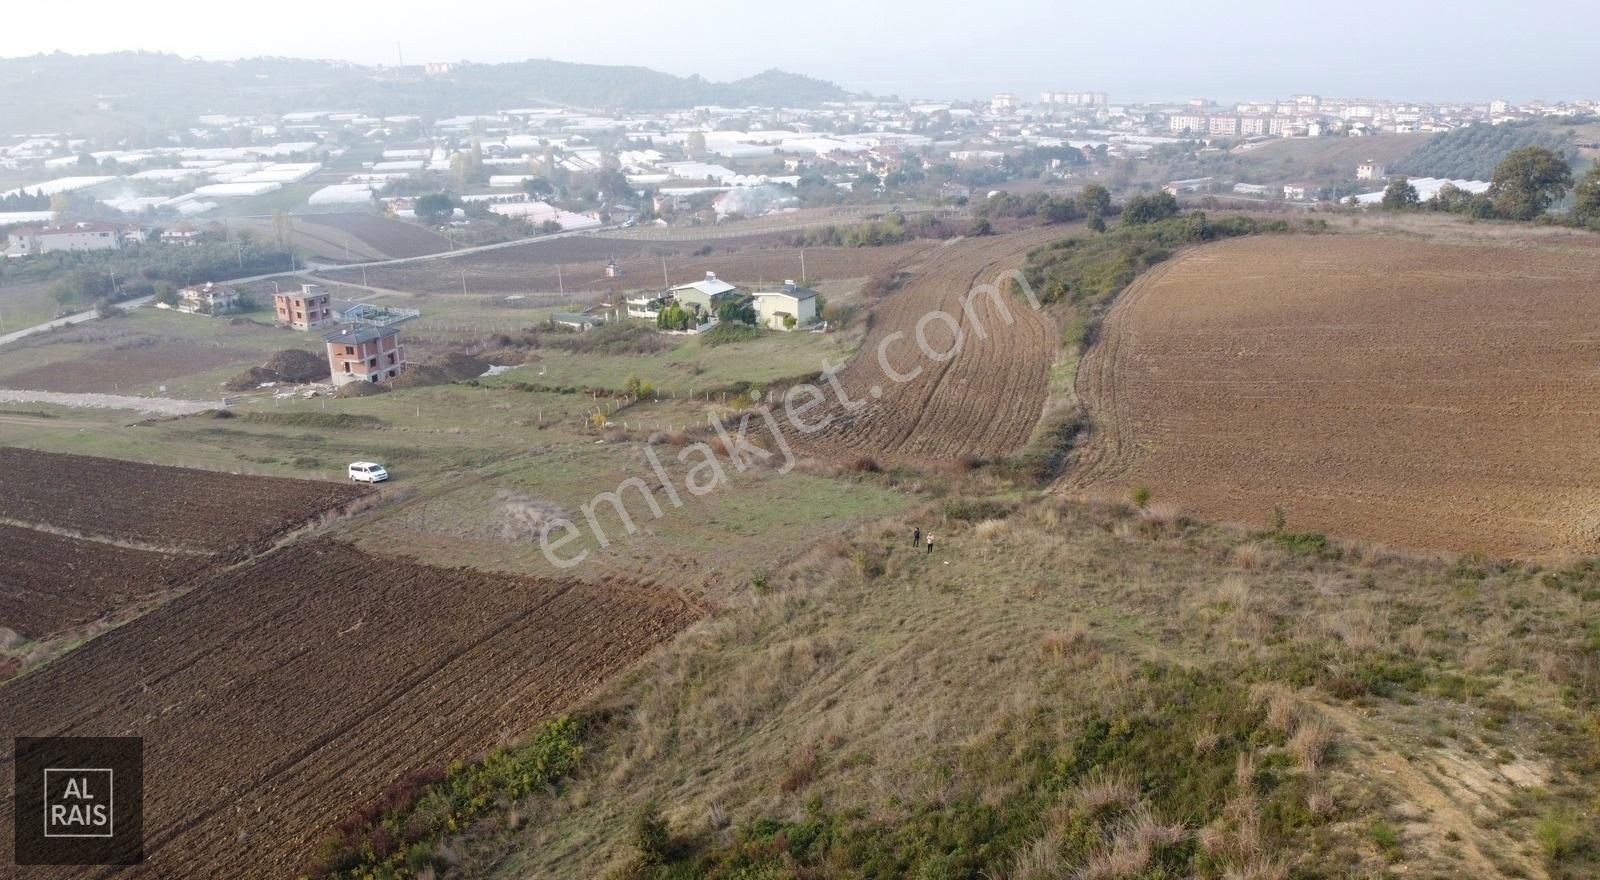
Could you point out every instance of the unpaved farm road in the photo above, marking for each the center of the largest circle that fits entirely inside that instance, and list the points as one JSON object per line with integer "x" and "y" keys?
{"x": 164, "y": 406}
{"x": 68, "y": 321}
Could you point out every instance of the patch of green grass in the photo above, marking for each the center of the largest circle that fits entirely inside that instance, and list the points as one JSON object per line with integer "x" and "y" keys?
{"x": 397, "y": 836}
{"x": 325, "y": 420}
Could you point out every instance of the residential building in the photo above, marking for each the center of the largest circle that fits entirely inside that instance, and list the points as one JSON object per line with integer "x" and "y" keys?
{"x": 1190, "y": 123}
{"x": 1193, "y": 184}
{"x": 364, "y": 354}
{"x": 309, "y": 308}
{"x": 1223, "y": 126}
{"x": 69, "y": 238}
{"x": 208, "y": 299}
{"x": 708, "y": 295}
{"x": 774, "y": 309}
{"x": 1299, "y": 192}
{"x": 1253, "y": 126}
{"x": 186, "y": 236}
{"x": 1371, "y": 170}
{"x": 1251, "y": 189}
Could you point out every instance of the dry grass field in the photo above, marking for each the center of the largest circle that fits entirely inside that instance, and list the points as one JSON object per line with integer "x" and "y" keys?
{"x": 1069, "y": 690}
{"x": 1412, "y": 392}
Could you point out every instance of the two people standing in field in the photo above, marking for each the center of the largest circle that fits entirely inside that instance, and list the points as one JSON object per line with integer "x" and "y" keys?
{"x": 916, "y": 538}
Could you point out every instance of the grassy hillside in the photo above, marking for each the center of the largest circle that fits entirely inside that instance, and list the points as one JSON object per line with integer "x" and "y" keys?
{"x": 1061, "y": 690}
{"x": 1321, "y": 160}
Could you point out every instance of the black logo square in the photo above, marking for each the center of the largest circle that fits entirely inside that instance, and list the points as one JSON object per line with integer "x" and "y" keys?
{"x": 79, "y": 800}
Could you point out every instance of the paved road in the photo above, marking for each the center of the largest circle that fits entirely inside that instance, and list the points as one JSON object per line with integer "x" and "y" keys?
{"x": 79, "y": 318}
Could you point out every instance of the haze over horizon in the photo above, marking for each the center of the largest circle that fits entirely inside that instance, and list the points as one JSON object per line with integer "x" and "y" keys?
{"x": 1161, "y": 50}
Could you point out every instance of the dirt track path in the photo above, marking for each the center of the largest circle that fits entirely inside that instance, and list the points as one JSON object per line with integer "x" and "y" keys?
{"x": 978, "y": 386}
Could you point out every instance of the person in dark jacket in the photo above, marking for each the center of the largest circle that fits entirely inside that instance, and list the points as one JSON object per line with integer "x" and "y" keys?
{"x": 916, "y": 535}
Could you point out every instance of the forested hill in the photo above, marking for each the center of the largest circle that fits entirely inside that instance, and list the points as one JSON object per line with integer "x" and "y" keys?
{"x": 46, "y": 93}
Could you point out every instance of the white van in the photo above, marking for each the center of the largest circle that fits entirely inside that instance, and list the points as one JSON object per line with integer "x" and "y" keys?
{"x": 368, "y": 472}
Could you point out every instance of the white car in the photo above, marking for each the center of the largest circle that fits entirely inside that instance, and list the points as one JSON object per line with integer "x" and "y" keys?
{"x": 368, "y": 472}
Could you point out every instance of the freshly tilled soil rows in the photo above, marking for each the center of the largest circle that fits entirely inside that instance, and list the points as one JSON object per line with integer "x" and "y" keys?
{"x": 1414, "y": 394}
{"x": 276, "y": 698}
{"x": 396, "y": 238}
{"x": 178, "y": 508}
{"x": 981, "y": 398}
{"x": 582, "y": 259}
{"x": 49, "y": 582}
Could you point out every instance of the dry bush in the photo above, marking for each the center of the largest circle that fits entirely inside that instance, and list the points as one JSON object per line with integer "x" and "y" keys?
{"x": 1039, "y": 860}
{"x": 1206, "y": 740}
{"x": 1283, "y": 708}
{"x": 1060, "y": 643}
{"x": 1133, "y": 842}
{"x": 1319, "y": 802}
{"x": 1102, "y": 790}
{"x": 1253, "y": 555}
{"x": 991, "y": 529}
{"x": 801, "y": 770}
{"x": 1310, "y": 743}
{"x": 1162, "y": 516}
{"x": 866, "y": 465}
{"x": 1244, "y": 772}
{"x": 1261, "y": 868}
{"x": 1234, "y": 590}
{"x": 1363, "y": 628}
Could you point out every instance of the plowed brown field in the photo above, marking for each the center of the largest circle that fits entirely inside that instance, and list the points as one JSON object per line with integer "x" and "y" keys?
{"x": 1411, "y": 393}
{"x": 275, "y": 698}
{"x": 534, "y": 268}
{"x": 982, "y": 401}
{"x": 393, "y": 238}
{"x": 170, "y": 507}
{"x": 49, "y": 583}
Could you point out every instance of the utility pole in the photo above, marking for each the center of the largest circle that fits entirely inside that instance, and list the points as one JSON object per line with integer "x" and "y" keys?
{"x": 560, "y": 284}
{"x": 239, "y": 245}
{"x": 802, "y": 265}
{"x": 463, "y": 282}
{"x": 664, "y": 282}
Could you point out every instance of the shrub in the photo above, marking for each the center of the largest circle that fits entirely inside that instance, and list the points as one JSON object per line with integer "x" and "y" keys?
{"x": 976, "y": 509}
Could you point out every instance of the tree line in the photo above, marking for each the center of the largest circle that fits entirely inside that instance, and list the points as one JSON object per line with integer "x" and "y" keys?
{"x": 1524, "y": 186}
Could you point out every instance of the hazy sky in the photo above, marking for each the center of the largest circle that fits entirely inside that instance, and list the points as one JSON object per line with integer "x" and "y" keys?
{"x": 1226, "y": 49}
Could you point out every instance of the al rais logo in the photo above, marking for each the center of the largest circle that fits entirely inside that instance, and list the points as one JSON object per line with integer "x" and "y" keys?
{"x": 79, "y": 800}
